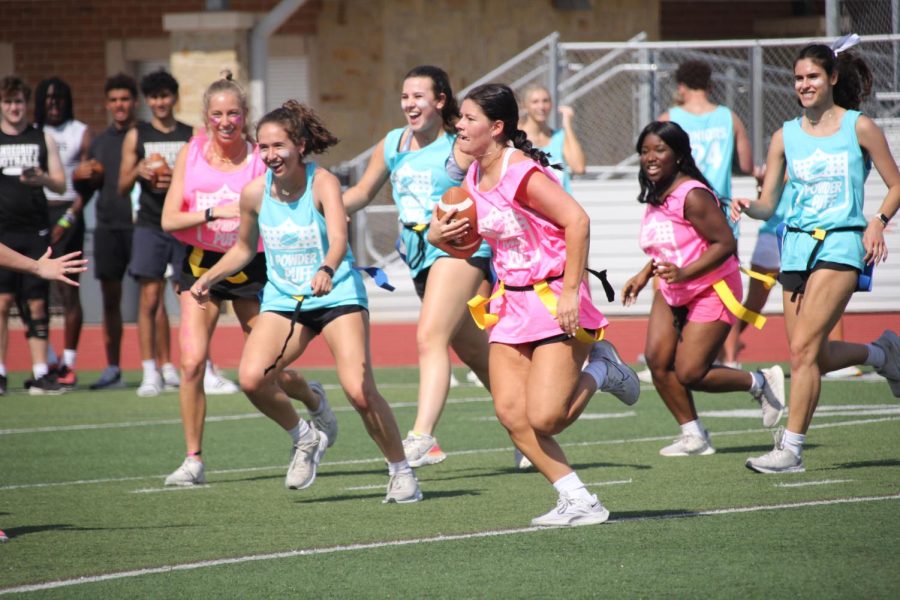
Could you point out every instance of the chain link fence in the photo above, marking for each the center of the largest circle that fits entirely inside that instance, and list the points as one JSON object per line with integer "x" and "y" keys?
{"x": 615, "y": 89}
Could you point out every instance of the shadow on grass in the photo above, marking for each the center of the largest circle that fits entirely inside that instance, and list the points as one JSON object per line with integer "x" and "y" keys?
{"x": 762, "y": 449}
{"x": 20, "y": 531}
{"x": 380, "y": 496}
{"x": 638, "y": 515}
{"x": 889, "y": 462}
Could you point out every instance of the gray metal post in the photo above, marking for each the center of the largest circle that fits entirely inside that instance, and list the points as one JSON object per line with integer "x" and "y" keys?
{"x": 895, "y": 29}
{"x": 832, "y": 18}
{"x": 553, "y": 77}
{"x": 645, "y": 95}
{"x": 758, "y": 117}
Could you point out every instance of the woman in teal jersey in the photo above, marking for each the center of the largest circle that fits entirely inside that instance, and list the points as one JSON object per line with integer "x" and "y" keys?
{"x": 561, "y": 144}
{"x": 422, "y": 162}
{"x": 312, "y": 287}
{"x": 828, "y": 241}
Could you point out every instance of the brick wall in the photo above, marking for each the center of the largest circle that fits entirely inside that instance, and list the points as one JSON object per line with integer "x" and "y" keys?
{"x": 68, "y": 38}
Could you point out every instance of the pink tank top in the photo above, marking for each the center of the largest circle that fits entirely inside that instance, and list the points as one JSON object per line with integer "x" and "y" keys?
{"x": 206, "y": 187}
{"x": 527, "y": 248}
{"x": 666, "y": 235}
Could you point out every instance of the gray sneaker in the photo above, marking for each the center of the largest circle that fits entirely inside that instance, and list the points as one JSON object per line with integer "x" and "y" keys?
{"x": 422, "y": 450}
{"x": 621, "y": 381}
{"x": 305, "y": 457}
{"x": 324, "y": 418}
{"x": 889, "y": 342}
{"x": 521, "y": 461}
{"x": 403, "y": 488}
{"x": 771, "y": 396}
{"x": 572, "y": 511}
{"x": 779, "y": 460}
{"x": 110, "y": 378}
{"x": 688, "y": 444}
{"x": 191, "y": 472}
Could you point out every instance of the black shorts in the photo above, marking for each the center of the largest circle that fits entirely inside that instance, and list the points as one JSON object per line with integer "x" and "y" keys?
{"x": 25, "y": 286}
{"x": 246, "y": 283}
{"x": 795, "y": 281}
{"x": 479, "y": 262}
{"x": 560, "y": 337}
{"x": 73, "y": 239}
{"x": 153, "y": 250}
{"x": 112, "y": 253}
{"x": 318, "y": 318}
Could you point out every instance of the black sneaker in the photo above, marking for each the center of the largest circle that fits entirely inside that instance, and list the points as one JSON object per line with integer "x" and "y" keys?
{"x": 2, "y": 385}
{"x": 45, "y": 385}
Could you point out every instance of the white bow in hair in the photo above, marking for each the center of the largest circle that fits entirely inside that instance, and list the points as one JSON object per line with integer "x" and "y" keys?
{"x": 844, "y": 43}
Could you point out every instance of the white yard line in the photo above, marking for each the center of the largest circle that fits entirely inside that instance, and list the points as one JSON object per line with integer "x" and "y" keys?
{"x": 50, "y": 585}
{"x": 176, "y": 488}
{"x": 362, "y": 461}
{"x": 618, "y": 482}
{"x": 806, "y": 483}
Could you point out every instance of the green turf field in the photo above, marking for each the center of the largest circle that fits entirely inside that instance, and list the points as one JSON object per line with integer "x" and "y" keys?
{"x": 82, "y": 500}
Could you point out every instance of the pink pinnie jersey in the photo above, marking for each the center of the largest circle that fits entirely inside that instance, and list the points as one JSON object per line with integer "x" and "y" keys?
{"x": 527, "y": 248}
{"x": 666, "y": 235}
{"x": 206, "y": 187}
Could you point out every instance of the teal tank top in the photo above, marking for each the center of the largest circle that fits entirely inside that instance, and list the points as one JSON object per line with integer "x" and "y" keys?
{"x": 555, "y": 150}
{"x": 712, "y": 146}
{"x": 419, "y": 178}
{"x": 788, "y": 194}
{"x": 296, "y": 242}
{"x": 828, "y": 175}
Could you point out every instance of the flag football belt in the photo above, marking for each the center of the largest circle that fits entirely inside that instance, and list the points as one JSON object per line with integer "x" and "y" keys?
{"x": 417, "y": 256}
{"x": 819, "y": 236}
{"x": 381, "y": 280}
{"x": 196, "y": 270}
{"x": 484, "y": 319}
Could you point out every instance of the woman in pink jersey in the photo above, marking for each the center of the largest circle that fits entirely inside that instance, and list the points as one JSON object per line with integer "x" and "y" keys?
{"x": 691, "y": 248}
{"x": 539, "y": 236}
{"x": 202, "y": 210}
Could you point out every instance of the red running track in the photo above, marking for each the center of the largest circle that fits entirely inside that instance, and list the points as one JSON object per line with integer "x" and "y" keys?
{"x": 395, "y": 344}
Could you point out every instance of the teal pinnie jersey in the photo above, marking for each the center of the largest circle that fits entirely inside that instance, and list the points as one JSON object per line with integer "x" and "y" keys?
{"x": 555, "y": 150}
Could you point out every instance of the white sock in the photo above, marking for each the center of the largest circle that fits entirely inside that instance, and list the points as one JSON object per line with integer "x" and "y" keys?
{"x": 793, "y": 441}
{"x": 168, "y": 365}
{"x": 2, "y": 370}
{"x": 694, "y": 428}
{"x": 302, "y": 430}
{"x": 399, "y": 467}
{"x": 39, "y": 370}
{"x": 876, "y": 357}
{"x": 757, "y": 383}
{"x": 597, "y": 370}
{"x": 69, "y": 357}
{"x": 571, "y": 486}
{"x": 149, "y": 367}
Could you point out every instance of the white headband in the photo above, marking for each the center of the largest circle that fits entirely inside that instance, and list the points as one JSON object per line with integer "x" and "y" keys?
{"x": 844, "y": 43}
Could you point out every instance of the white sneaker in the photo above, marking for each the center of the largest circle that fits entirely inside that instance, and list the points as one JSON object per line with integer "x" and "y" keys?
{"x": 645, "y": 376}
{"x": 324, "y": 419}
{"x": 572, "y": 511}
{"x": 191, "y": 472}
{"x": 214, "y": 384}
{"x": 305, "y": 457}
{"x": 170, "y": 377}
{"x": 521, "y": 461}
{"x": 688, "y": 444}
{"x": 771, "y": 396}
{"x": 621, "y": 381}
{"x": 845, "y": 373}
{"x": 889, "y": 342}
{"x": 472, "y": 378}
{"x": 403, "y": 488}
{"x": 454, "y": 382}
{"x": 779, "y": 460}
{"x": 151, "y": 385}
{"x": 422, "y": 450}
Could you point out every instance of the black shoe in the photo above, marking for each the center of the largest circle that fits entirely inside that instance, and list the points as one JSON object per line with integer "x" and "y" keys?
{"x": 44, "y": 385}
{"x": 2, "y": 385}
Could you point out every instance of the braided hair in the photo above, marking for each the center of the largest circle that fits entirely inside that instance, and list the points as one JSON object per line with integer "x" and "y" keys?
{"x": 498, "y": 102}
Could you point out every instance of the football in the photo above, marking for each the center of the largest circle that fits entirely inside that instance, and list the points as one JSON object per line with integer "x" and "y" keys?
{"x": 158, "y": 165}
{"x": 457, "y": 198}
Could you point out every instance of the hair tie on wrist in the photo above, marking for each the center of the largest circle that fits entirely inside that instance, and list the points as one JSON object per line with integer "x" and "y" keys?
{"x": 209, "y": 215}
{"x": 327, "y": 270}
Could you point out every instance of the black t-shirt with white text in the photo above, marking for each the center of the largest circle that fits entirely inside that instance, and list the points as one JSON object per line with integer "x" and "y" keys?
{"x": 22, "y": 207}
